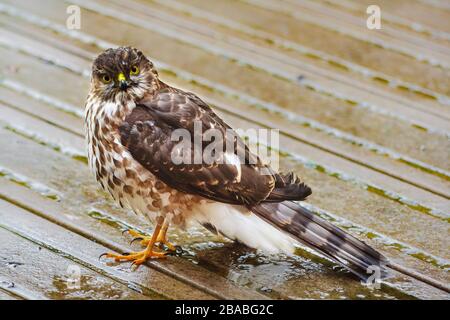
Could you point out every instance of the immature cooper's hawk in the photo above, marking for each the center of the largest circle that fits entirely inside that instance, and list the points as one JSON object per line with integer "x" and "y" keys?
{"x": 130, "y": 117}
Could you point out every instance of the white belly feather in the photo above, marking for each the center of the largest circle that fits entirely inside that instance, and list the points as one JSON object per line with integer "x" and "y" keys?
{"x": 238, "y": 223}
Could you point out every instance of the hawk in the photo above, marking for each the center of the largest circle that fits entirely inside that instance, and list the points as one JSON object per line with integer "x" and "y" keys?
{"x": 130, "y": 117}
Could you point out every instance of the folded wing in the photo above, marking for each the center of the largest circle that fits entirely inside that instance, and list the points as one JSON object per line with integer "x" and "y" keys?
{"x": 148, "y": 134}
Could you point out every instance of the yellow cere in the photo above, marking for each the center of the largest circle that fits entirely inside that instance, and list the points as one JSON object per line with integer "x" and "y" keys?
{"x": 121, "y": 77}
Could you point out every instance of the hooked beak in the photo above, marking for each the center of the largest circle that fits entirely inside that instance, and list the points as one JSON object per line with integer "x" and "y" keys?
{"x": 123, "y": 84}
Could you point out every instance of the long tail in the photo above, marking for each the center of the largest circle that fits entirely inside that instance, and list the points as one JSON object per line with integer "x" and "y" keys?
{"x": 322, "y": 236}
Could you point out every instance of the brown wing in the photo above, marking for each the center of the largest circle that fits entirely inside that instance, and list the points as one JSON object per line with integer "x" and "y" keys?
{"x": 147, "y": 133}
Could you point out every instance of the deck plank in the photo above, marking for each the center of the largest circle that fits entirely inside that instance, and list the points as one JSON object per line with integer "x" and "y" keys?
{"x": 348, "y": 118}
{"x": 26, "y": 226}
{"x": 270, "y": 62}
{"x": 29, "y": 265}
{"x": 346, "y": 24}
{"x": 57, "y": 135}
{"x": 347, "y": 150}
{"x": 312, "y": 35}
{"x": 372, "y": 139}
{"x": 318, "y": 156}
{"x": 386, "y": 183}
{"x": 62, "y": 172}
{"x": 325, "y": 79}
{"x": 6, "y": 295}
{"x": 59, "y": 234}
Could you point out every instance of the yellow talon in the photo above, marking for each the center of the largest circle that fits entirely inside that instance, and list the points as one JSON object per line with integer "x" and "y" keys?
{"x": 138, "y": 258}
{"x": 160, "y": 239}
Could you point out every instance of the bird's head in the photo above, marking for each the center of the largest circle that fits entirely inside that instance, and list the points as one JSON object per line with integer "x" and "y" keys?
{"x": 122, "y": 73}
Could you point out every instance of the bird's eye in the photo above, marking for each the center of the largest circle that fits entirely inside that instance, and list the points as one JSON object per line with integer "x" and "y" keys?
{"x": 134, "y": 70}
{"x": 106, "y": 78}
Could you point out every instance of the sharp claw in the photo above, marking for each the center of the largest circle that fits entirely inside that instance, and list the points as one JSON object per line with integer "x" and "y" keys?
{"x": 136, "y": 239}
{"x": 134, "y": 266}
{"x": 102, "y": 255}
{"x": 138, "y": 258}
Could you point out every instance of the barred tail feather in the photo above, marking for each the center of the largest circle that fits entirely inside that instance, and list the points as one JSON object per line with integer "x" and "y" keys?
{"x": 288, "y": 187}
{"x": 322, "y": 236}
{"x": 275, "y": 227}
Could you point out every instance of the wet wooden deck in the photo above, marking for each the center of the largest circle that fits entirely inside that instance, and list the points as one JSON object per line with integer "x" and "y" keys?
{"x": 364, "y": 118}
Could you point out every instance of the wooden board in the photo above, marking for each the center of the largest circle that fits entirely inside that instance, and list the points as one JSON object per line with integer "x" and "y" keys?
{"x": 376, "y": 155}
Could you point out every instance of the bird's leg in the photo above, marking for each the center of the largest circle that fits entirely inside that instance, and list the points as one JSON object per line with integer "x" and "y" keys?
{"x": 140, "y": 257}
{"x": 161, "y": 238}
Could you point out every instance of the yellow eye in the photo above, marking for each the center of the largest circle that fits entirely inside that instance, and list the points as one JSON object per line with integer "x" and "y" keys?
{"x": 106, "y": 78}
{"x": 134, "y": 70}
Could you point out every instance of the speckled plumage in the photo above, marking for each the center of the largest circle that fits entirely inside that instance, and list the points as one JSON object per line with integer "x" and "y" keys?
{"x": 130, "y": 116}
{"x": 128, "y": 182}
{"x": 111, "y": 117}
